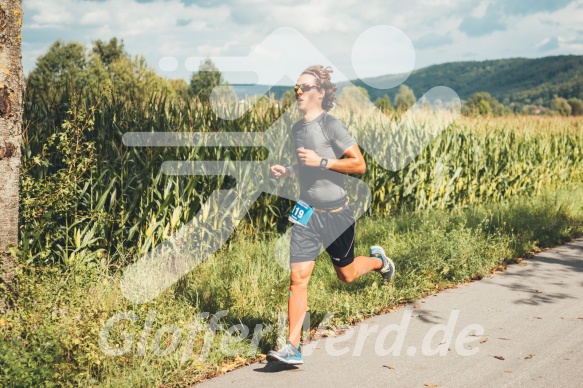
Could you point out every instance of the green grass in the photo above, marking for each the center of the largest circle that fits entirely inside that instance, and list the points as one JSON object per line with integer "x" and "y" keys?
{"x": 51, "y": 335}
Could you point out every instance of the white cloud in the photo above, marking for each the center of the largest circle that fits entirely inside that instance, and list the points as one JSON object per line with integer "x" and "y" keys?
{"x": 480, "y": 10}
{"x": 549, "y": 44}
{"x": 95, "y": 18}
{"x": 182, "y": 29}
{"x": 49, "y": 14}
{"x": 208, "y": 50}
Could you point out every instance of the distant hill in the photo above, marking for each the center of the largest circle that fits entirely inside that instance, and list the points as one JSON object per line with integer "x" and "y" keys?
{"x": 518, "y": 80}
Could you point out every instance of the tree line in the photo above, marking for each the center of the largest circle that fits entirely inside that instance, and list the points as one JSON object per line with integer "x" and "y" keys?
{"x": 522, "y": 85}
{"x": 480, "y": 103}
{"x": 68, "y": 66}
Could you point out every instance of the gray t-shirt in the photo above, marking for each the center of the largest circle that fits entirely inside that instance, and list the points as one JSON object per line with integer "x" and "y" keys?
{"x": 329, "y": 138}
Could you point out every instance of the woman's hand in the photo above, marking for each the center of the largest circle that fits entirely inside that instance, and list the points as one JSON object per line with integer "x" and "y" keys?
{"x": 309, "y": 157}
{"x": 279, "y": 171}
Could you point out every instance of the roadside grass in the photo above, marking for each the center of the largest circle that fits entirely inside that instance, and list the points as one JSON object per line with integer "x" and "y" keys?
{"x": 52, "y": 335}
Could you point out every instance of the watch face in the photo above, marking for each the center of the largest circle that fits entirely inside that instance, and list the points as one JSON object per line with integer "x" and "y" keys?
{"x": 324, "y": 163}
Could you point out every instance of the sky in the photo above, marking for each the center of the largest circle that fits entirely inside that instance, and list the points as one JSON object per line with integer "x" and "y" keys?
{"x": 271, "y": 42}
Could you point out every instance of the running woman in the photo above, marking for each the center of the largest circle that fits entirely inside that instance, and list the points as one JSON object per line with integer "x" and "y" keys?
{"x": 323, "y": 215}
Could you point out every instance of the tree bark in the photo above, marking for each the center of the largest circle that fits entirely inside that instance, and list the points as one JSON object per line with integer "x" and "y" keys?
{"x": 11, "y": 109}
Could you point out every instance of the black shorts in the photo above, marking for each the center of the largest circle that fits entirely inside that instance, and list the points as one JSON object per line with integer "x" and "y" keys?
{"x": 333, "y": 231}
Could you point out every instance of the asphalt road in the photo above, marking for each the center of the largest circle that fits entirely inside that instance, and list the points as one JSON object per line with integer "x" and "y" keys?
{"x": 519, "y": 328}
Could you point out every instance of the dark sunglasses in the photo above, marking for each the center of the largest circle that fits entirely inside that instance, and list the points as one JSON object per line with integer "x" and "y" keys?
{"x": 305, "y": 88}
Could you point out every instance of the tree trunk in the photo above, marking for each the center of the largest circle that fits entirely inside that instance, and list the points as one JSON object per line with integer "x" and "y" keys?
{"x": 11, "y": 109}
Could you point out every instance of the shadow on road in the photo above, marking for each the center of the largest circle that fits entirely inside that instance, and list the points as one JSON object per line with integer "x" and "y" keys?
{"x": 567, "y": 265}
{"x": 274, "y": 367}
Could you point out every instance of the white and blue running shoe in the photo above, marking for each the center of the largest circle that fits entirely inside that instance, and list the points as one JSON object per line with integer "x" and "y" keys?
{"x": 387, "y": 271}
{"x": 289, "y": 354}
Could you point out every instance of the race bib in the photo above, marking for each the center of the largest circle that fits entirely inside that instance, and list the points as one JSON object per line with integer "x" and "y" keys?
{"x": 301, "y": 213}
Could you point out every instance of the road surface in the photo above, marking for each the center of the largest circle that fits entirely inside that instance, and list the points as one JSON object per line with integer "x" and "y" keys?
{"x": 519, "y": 328}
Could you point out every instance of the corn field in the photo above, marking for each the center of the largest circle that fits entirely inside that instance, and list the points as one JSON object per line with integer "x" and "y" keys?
{"x": 89, "y": 199}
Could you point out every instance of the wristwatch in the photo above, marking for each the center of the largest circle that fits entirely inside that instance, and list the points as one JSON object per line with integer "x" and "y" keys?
{"x": 323, "y": 163}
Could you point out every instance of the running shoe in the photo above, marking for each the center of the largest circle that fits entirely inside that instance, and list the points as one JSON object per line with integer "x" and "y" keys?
{"x": 387, "y": 271}
{"x": 289, "y": 354}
